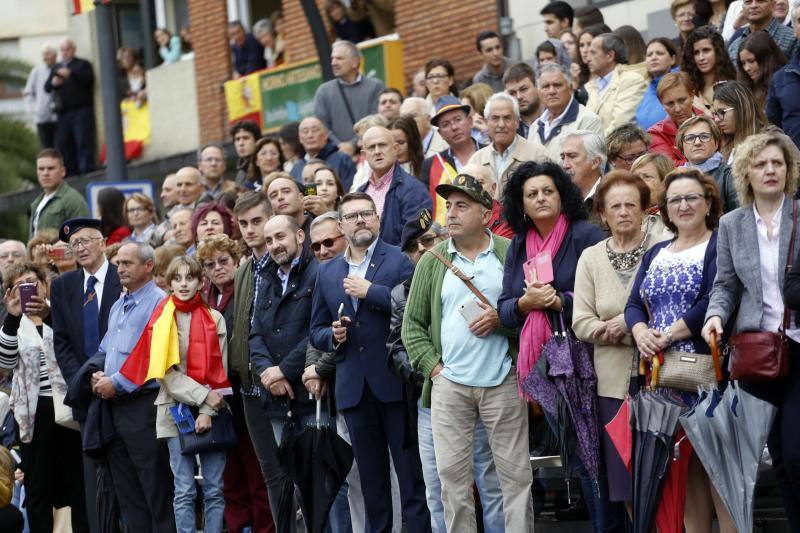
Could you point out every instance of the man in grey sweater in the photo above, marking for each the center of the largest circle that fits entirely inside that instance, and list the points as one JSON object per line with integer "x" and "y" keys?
{"x": 343, "y": 101}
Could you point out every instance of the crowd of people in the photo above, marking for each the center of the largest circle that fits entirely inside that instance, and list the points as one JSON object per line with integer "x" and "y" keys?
{"x": 409, "y": 263}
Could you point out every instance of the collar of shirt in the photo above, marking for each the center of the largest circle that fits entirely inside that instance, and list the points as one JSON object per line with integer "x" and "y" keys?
{"x": 383, "y": 181}
{"x": 604, "y": 81}
{"x": 367, "y": 256}
{"x": 136, "y": 296}
{"x": 100, "y": 275}
{"x": 762, "y": 222}
{"x": 357, "y": 80}
{"x": 508, "y": 151}
{"x": 594, "y": 188}
{"x": 284, "y": 276}
{"x": 544, "y": 120}
{"x": 260, "y": 263}
{"x": 451, "y": 247}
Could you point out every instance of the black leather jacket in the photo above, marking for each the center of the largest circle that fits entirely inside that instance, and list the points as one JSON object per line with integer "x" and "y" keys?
{"x": 398, "y": 357}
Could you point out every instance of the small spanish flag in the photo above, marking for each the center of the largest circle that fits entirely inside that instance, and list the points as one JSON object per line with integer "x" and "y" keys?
{"x": 441, "y": 172}
{"x": 84, "y": 6}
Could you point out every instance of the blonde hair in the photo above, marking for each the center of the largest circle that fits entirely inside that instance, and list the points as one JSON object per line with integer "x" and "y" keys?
{"x": 7, "y": 467}
{"x": 477, "y": 95}
{"x": 745, "y": 154}
{"x": 216, "y": 244}
{"x": 664, "y": 165}
{"x": 145, "y": 202}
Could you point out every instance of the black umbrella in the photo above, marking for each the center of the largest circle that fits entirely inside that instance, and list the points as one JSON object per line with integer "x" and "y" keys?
{"x": 655, "y": 420}
{"x": 318, "y": 461}
{"x": 108, "y": 513}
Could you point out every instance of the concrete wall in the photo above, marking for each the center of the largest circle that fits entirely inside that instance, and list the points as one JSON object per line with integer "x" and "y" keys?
{"x": 172, "y": 99}
{"x": 530, "y": 31}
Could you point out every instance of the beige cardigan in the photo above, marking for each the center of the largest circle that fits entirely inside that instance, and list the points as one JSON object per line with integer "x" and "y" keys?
{"x": 178, "y": 387}
{"x": 600, "y": 296}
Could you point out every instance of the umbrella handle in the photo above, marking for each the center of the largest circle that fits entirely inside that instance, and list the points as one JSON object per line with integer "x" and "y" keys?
{"x": 715, "y": 355}
{"x": 656, "y": 362}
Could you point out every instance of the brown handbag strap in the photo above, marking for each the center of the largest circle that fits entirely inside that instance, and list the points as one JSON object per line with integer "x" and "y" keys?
{"x": 460, "y": 275}
{"x": 790, "y": 261}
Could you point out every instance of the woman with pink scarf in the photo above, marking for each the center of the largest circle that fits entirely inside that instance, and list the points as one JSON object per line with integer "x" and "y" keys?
{"x": 548, "y": 216}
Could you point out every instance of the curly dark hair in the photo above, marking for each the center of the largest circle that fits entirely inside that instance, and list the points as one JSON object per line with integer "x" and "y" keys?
{"x": 710, "y": 191}
{"x": 723, "y": 69}
{"x": 571, "y": 200}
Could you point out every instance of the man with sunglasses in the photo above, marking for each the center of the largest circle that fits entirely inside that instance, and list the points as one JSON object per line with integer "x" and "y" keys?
{"x": 81, "y": 301}
{"x": 350, "y": 314}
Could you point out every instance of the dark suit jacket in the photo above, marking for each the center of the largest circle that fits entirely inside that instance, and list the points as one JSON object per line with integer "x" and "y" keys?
{"x": 363, "y": 357}
{"x": 77, "y": 91}
{"x": 279, "y": 336}
{"x": 579, "y": 236}
{"x": 66, "y": 299}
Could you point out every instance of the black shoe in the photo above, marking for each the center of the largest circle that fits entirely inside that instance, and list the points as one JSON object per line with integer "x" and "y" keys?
{"x": 575, "y": 512}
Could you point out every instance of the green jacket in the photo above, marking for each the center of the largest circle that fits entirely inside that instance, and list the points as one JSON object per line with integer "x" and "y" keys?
{"x": 238, "y": 347}
{"x": 422, "y": 323}
{"x": 66, "y": 204}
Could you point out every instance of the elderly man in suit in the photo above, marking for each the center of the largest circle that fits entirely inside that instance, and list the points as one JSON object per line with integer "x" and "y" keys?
{"x": 614, "y": 93}
{"x": 81, "y": 301}
{"x": 351, "y": 309}
{"x": 508, "y": 150}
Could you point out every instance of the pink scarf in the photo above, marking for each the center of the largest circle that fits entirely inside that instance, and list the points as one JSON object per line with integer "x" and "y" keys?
{"x": 536, "y": 330}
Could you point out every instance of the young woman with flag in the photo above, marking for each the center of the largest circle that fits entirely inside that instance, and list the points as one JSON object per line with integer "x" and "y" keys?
{"x": 184, "y": 346}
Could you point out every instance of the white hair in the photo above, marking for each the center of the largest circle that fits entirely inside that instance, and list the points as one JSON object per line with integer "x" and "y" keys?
{"x": 593, "y": 143}
{"x": 48, "y": 47}
{"x": 553, "y": 67}
{"x": 501, "y": 97}
{"x": 425, "y": 107}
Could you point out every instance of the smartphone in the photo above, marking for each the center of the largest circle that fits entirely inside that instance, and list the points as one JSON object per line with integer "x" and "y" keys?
{"x": 57, "y": 253}
{"x": 343, "y": 319}
{"x": 311, "y": 189}
{"x": 470, "y": 310}
{"x": 529, "y": 269}
{"x": 544, "y": 266}
{"x": 26, "y": 292}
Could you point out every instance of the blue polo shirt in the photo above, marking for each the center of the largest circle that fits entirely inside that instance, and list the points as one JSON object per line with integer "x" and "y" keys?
{"x": 467, "y": 359}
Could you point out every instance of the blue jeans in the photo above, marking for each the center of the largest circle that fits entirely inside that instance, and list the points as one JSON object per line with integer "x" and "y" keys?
{"x": 484, "y": 470}
{"x": 212, "y": 464}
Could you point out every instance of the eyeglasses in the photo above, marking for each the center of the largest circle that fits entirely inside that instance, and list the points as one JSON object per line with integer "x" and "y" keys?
{"x": 630, "y": 158}
{"x": 327, "y": 243}
{"x": 137, "y": 210}
{"x": 9, "y": 255}
{"x": 454, "y": 122}
{"x": 213, "y": 160}
{"x": 436, "y": 77}
{"x": 221, "y": 262}
{"x": 702, "y": 137}
{"x": 82, "y": 242}
{"x": 720, "y": 113}
{"x": 691, "y": 199}
{"x": 366, "y": 215}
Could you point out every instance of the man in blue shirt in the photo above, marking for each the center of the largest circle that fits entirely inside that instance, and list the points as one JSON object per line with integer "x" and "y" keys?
{"x": 139, "y": 462}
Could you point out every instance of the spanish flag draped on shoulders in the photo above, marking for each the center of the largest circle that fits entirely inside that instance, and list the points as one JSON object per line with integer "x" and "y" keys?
{"x": 157, "y": 350}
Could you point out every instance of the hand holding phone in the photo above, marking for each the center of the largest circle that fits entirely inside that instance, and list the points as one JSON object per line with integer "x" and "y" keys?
{"x": 340, "y": 326}
{"x": 26, "y": 293}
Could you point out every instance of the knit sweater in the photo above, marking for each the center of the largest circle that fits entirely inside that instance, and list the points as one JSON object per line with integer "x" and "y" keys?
{"x": 330, "y": 108}
{"x": 422, "y": 324}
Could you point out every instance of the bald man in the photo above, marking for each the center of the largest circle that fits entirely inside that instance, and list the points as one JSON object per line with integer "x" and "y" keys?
{"x": 72, "y": 81}
{"x": 421, "y": 111}
{"x": 188, "y": 186}
{"x": 315, "y": 138}
{"x": 398, "y": 196}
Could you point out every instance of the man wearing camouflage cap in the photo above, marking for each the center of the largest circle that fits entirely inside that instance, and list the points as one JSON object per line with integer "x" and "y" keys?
{"x": 469, "y": 371}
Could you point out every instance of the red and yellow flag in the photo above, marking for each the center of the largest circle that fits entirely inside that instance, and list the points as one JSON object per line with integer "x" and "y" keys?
{"x": 442, "y": 172}
{"x": 84, "y": 6}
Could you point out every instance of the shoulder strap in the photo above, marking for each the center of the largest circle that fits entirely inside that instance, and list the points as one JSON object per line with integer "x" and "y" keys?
{"x": 460, "y": 275}
{"x": 790, "y": 260}
{"x": 346, "y": 102}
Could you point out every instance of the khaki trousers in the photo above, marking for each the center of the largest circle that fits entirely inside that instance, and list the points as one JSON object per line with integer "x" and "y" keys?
{"x": 454, "y": 410}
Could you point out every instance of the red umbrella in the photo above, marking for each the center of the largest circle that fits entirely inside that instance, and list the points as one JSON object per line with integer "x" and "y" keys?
{"x": 620, "y": 432}
{"x": 669, "y": 518}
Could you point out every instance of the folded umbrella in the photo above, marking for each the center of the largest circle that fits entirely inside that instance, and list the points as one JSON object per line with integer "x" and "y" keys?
{"x": 655, "y": 420}
{"x": 318, "y": 461}
{"x": 728, "y": 432}
{"x": 620, "y": 432}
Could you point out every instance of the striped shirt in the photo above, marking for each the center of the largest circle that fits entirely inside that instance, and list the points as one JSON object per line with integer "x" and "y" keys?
{"x": 9, "y": 353}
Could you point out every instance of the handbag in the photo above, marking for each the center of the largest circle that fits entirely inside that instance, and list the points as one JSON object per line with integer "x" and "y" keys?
{"x": 221, "y": 436}
{"x": 63, "y": 412}
{"x": 685, "y": 371}
{"x": 764, "y": 355}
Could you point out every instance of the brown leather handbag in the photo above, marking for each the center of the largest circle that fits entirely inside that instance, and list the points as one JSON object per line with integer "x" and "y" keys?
{"x": 758, "y": 356}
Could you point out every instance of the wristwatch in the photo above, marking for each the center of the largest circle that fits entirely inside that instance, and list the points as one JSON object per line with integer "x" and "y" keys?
{"x": 668, "y": 332}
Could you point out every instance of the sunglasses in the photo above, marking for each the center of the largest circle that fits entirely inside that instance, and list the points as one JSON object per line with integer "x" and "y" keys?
{"x": 327, "y": 243}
